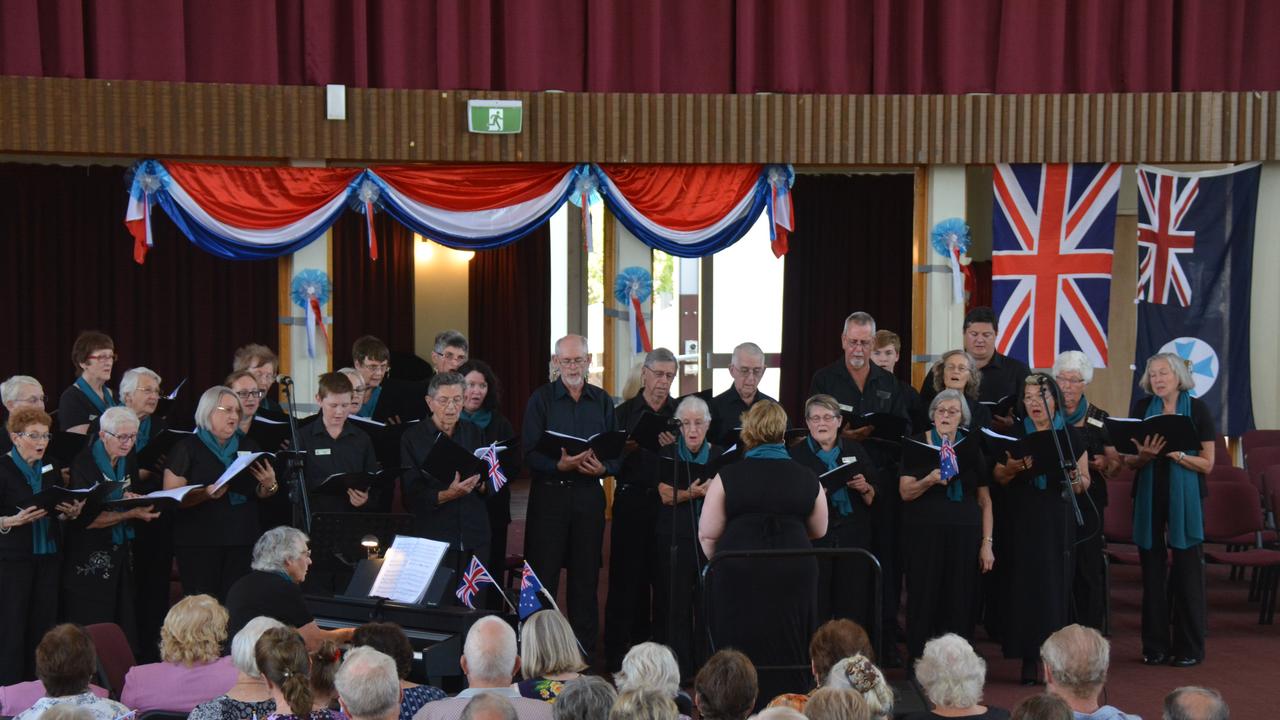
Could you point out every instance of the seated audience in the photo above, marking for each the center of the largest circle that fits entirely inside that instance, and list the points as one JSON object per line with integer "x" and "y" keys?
{"x": 549, "y": 656}
{"x": 66, "y": 711}
{"x": 1076, "y": 659}
{"x": 324, "y": 666}
{"x": 644, "y": 704}
{"x": 833, "y": 640}
{"x": 389, "y": 639}
{"x": 653, "y": 666}
{"x": 190, "y": 670}
{"x": 249, "y": 697}
{"x": 287, "y": 669}
{"x": 487, "y": 706}
{"x": 20, "y": 696}
{"x": 1195, "y": 703}
{"x": 726, "y": 687}
{"x": 65, "y": 660}
{"x": 830, "y": 703}
{"x": 489, "y": 661}
{"x": 369, "y": 685}
{"x": 952, "y": 675}
{"x": 587, "y": 698}
{"x": 861, "y": 675}
{"x": 1045, "y": 706}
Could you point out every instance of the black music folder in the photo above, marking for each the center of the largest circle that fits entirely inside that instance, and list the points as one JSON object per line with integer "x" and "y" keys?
{"x": 607, "y": 445}
{"x": 160, "y": 445}
{"x": 1179, "y": 433}
{"x": 649, "y": 427}
{"x": 921, "y": 458}
{"x": 839, "y": 476}
{"x": 690, "y": 472}
{"x": 448, "y": 457}
{"x": 159, "y": 500}
{"x": 886, "y": 427}
{"x": 49, "y": 498}
{"x": 340, "y": 483}
{"x": 1039, "y": 446}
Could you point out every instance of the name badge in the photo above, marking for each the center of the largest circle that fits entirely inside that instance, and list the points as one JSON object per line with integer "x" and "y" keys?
{"x": 846, "y": 408}
{"x": 46, "y": 468}
{"x": 848, "y": 459}
{"x": 242, "y": 453}
{"x": 1094, "y": 422}
{"x": 322, "y": 451}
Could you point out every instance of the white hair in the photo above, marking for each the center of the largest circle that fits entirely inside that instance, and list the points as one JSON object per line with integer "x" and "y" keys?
{"x": 117, "y": 419}
{"x": 490, "y": 650}
{"x": 243, "y": 644}
{"x": 779, "y": 713}
{"x": 1176, "y": 363}
{"x": 860, "y": 675}
{"x": 209, "y": 402}
{"x": 488, "y": 706}
{"x": 587, "y": 697}
{"x": 859, "y": 318}
{"x": 129, "y": 381}
{"x": 368, "y": 684}
{"x": 277, "y": 546}
{"x": 649, "y": 666}
{"x": 951, "y": 394}
{"x": 1211, "y": 706}
{"x": 1077, "y": 657}
{"x": 746, "y": 349}
{"x": 693, "y": 403}
{"x": 9, "y": 388}
{"x": 585, "y": 347}
{"x": 1074, "y": 360}
{"x": 951, "y": 673}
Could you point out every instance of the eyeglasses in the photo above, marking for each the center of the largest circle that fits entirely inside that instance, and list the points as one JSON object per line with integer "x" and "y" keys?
{"x": 573, "y": 362}
{"x": 449, "y": 402}
{"x": 103, "y": 357}
{"x": 376, "y": 368}
{"x": 33, "y": 400}
{"x": 225, "y": 409}
{"x": 748, "y": 372}
{"x": 147, "y": 391}
{"x": 824, "y": 418}
{"x": 696, "y": 422}
{"x": 1069, "y": 381}
{"x": 454, "y": 356}
{"x": 858, "y": 343}
{"x": 125, "y": 438}
{"x": 35, "y": 435}
{"x": 663, "y": 375}
{"x": 956, "y": 368}
{"x": 246, "y": 394}
{"x": 947, "y": 412}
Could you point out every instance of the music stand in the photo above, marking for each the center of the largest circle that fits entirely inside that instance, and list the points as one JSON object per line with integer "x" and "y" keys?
{"x": 335, "y": 537}
{"x": 367, "y": 572}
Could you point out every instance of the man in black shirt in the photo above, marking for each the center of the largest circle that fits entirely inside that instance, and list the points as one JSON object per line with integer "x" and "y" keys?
{"x": 747, "y": 368}
{"x": 635, "y": 507}
{"x": 1002, "y": 376}
{"x": 565, "y": 522}
{"x": 386, "y": 399}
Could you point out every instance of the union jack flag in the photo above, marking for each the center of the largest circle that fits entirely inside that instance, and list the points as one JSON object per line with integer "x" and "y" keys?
{"x": 496, "y": 477}
{"x": 948, "y": 465}
{"x": 475, "y": 576}
{"x": 1053, "y": 236}
{"x": 1162, "y": 236}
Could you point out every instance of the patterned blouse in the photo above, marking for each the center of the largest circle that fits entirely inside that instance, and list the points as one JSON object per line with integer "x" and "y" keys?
{"x": 225, "y": 708}
{"x": 415, "y": 697}
{"x": 100, "y": 708}
{"x": 544, "y": 689}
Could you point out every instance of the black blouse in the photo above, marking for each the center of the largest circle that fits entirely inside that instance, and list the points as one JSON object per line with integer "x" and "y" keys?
{"x": 933, "y": 507}
{"x": 351, "y": 451}
{"x": 230, "y": 520}
{"x": 15, "y": 493}
{"x": 465, "y": 519}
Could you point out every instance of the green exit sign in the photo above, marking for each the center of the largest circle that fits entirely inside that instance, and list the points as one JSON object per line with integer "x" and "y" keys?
{"x": 495, "y": 117}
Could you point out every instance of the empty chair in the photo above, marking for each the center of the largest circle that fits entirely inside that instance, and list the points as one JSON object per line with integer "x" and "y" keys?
{"x": 1232, "y": 511}
{"x": 115, "y": 657}
{"x": 1259, "y": 438}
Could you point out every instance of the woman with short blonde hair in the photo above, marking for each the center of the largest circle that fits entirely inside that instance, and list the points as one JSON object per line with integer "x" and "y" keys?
{"x": 191, "y": 670}
{"x": 549, "y": 655}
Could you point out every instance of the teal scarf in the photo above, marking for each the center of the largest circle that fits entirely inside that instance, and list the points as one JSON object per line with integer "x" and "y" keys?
{"x": 701, "y": 457}
{"x": 831, "y": 458}
{"x": 1041, "y": 482}
{"x": 370, "y": 402}
{"x": 1186, "y": 521}
{"x": 123, "y": 530}
{"x": 769, "y": 451}
{"x": 1076, "y": 417}
{"x": 955, "y": 488}
{"x": 97, "y": 402}
{"x": 226, "y": 454}
{"x": 144, "y": 434}
{"x": 41, "y": 543}
{"x": 480, "y": 418}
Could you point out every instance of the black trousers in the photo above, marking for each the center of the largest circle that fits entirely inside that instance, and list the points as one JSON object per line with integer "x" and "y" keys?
{"x": 565, "y": 529}
{"x": 28, "y": 608}
{"x": 887, "y": 545}
{"x": 153, "y": 566}
{"x": 212, "y": 570}
{"x": 941, "y": 563}
{"x": 628, "y": 609}
{"x": 687, "y": 637}
{"x": 1173, "y": 599}
{"x": 844, "y": 584}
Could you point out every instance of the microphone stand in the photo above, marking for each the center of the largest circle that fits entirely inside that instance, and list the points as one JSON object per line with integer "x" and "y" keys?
{"x": 299, "y": 494}
{"x": 672, "y": 552}
{"x": 1067, "y": 462}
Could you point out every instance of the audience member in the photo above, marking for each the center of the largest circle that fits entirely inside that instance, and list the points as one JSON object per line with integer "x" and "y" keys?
{"x": 1075, "y": 667}
{"x": 644, "y": 704}
{"x": 1195, "y": 703}
{"x": 779, "y": 712}
{"x": 488, "y": 706}
{"x": 20, "y": 696}
{"x": 369, "y": 686}
{"x": 837, "y": 704}
{"x": 65, "y": 660}
{"x": 952, "y": 675}
{"x": 389, "y": 639}
{"x": 1045, "y": 706}
{"x": 249, "y": 697}
{"x": 587, "y": 698}
{"x": 549, "y": 655}
{"x": 286, "y": 668}
{"x": 191, "y": 670}
{"x": 66, "y": 711}
{"x": 324, "y": 666}
{"x": 726, "y": 687}
{"x": 859, "y": 674}
{"x": 833, "y": 640}
{"x": 653, "y": 666}
{"x": 489, "y": 661}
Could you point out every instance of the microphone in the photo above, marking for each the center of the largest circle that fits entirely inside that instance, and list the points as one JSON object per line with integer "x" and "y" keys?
{"x": 284, "y": 379}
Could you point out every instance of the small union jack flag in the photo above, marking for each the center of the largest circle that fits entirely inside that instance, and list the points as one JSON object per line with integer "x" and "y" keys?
{"x": 1162, "y": 236}
{"x": 497, "y": 478}
{"x": 948, "y": 465}
{"x": 475, "y": 576}
{"x": 530, "y": 587}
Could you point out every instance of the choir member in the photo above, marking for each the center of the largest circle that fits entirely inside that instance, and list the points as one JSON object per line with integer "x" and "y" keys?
{"x": 260, "y": 362}
{"x": 1002, "y": 376}
{"x": 19, "y": 391}
{"x": 449, "y": 351}
{"x": 332, "y": 445}
{"x": 93, "y": 354}
{"x": 957, "y": 370}
{"x": 886, "y": 350}
{"x": 386, "y": 399}
{"x": 481, "y": 397}
{"x": 947, "y": 527}
{"x": 357, "y": 389}
{"x": 140, "y": 392}
{"x": 566, "y": 501}
{"x": 1168, "y": 501}
{"x": 746, "y": 367}
{"x": 214, "y": 531}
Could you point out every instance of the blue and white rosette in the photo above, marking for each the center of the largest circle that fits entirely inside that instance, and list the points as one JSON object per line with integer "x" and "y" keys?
{"x": 309, "y": 290}
{"x": 951, "y": 239}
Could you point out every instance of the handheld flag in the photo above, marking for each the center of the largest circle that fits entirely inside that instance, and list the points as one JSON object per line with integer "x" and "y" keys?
{"x": 475, "y": 576}
{"x": 530, "y": 587}
{"x": 497, "y": 479}
{"x": 947, "y": 463}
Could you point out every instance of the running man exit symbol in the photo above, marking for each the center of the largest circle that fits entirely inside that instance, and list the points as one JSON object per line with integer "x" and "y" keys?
{"x": 495, "y": 117}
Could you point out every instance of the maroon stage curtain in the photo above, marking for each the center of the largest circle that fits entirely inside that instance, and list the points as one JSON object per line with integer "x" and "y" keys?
{"x": 70, "y": 267}
{"x": 371, "y": 297}
{"x": 509, "y": 316}
{"x": 710, "y": 46}
{"x": 851, "y": 250}
{"x": 981, "y": 294}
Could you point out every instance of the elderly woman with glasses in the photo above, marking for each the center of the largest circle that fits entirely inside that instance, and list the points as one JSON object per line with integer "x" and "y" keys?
{"x": 30, "y": 557}
{"x": 946, "y": 525}
{"x": 255, "y": 421}
{"x": 214, "y": 530}
{"x": 957, "y": 370}
{"x": 260, "y": 362}
{"x": 19, "y": 391}
{"x": 94, "y": 354}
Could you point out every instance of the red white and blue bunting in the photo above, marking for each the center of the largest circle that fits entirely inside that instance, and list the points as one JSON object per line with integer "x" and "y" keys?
{"x": 249, "y": 213}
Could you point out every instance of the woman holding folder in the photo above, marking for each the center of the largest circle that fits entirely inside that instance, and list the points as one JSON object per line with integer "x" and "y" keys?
{"x": 1167, "y": 513}
{"x": 215, "y": 529}
{"x": 946, "y": 522}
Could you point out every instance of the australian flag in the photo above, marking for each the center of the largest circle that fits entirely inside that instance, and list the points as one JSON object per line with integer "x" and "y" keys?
{"x": 475, "y": 576}
{"x": 948, "y": 466}
{"x": 530, "y": 592}
{"x": 1195, "y": 257}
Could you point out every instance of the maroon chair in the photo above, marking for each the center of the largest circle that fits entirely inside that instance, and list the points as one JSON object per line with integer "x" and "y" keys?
{"x": 1259, "y": 460}
{"x": 1221, "y": 452}
{"x": 115, "y": 657}
{"x": 1117, "y": 522}
{"x": 1227, "y": 473}
{"x": 1259, "y": 438}
{"x": 1271, "y": 493}
{"x": 1231, "y": 511}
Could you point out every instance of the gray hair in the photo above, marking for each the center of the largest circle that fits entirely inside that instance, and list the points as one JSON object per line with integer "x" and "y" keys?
{"x": 1176, "y": 363}
{"x": 695, "y": 404}
{"x": 658, "y": 355}
{"x": 746, "y": 348}
{"x": 277, "y": 546}
{"x": 117, "y": 418}
{"x": 646, "y": 704}
{"x": 355, "y": 377}
{"x": 938, "y": 372}
{"x": 9, "y": 388}
{"x": 1074, "y": 360}
{"x": 368, "y": 684}
{"x": 779, "y": 713}
{"x": 1207, "y": 705}
{"x": 488, "y": 705}
{"x": 859, "y": 318}
{"x": 448, "y": 339}
{"x": 1077, "y": 657}
{"x": 490, "y": 650}
{"x": 860, "y": 675}
{"x": 440, "y": 380}
{"x": 951, "y": 673}
{"x": 129, "y": 381}
{"x": 585, "y": 698}
{"x": 950, "y": 394}
{"x": 243, "y": 644}
{"x": 649, "y": 665}
{"x": 209, "y": 402}
{"x": 585, "y": 347}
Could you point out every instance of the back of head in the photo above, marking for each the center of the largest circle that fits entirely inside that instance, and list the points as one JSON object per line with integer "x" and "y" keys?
{"x": 388, "y": 639}
{"x": 649, "y": 665}
{"x": 585, "y": 698}
{"x": 1076, "y": 658}
{"x": 194, "y": 631}
{"x": 548, "y": 646}
{"x": 1195, "y": 703}
{"x": 1045, "y": 706}
{"x": 951, "y": 673}
{"x": 244, "y": 644}
{"x": 490, "y": 651}
{"x": 765, "y": 422}
{"x": 644, "y": 705}
{"x": 836, "y": 639}
{"x": 283, "y": 661}
{"x": 324, "y": 666}
{"x": 779, "y": 713}
{"x": 836, "y": 704}
{"x": 368, "y": 685}
{"x": 726, "y": 687}
{"x": 859, "y": 674}
{"x": 65, "y": 660}
{"x": 489, "y": 706}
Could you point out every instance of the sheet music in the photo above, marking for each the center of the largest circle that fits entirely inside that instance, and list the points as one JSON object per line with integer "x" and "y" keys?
{"x": 268, "y": 421}
{"x": 174, "y": 493}
{"x": 407, "y": 569}
{"x": 480, "y": 452}
{"x": 234, "y": 469}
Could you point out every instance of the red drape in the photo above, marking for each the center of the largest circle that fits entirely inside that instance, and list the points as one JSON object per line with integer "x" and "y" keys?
{"x": 470, "y": 188}
{"x": 371, "y": 297}
{"x": 509, "y": 316}
{"x": 260, "y": 198}
{"x": 710, "y": 46}
{"x": 684, "y": 197}
{"x": 852, "y": 251}
{"x": 182, "y": 314}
